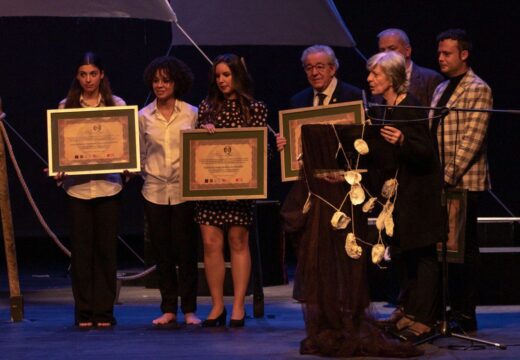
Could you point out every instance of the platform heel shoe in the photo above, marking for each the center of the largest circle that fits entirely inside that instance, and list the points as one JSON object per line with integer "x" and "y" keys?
{"x": 218, "y": 321}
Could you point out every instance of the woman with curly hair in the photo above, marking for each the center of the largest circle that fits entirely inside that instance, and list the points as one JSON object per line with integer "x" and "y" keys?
{"x": 169, "y": 219}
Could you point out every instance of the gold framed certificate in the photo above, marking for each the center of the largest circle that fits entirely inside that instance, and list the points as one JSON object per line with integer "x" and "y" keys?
{"x": 228, "y": 164}
{"x": 292, "y": 120}
{"x": 93, "y": 140}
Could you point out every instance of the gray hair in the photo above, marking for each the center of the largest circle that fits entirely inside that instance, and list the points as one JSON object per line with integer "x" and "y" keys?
{"x": 395, "y": 32}
{"x": 393, "y": 65}
{"x": 320, "y": 49}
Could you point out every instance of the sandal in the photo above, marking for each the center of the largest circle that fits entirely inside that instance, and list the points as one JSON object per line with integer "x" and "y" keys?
{"x": 417, "y": 333}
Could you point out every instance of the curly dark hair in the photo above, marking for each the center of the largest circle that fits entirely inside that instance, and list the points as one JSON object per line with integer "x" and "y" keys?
{"x": 175, "y": 69}
{"x": 74, "y": 94}
{"x": 242, "y": 84}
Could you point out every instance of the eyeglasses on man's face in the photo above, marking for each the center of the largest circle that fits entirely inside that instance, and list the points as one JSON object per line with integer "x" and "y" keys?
{"x": 319, "y": 67}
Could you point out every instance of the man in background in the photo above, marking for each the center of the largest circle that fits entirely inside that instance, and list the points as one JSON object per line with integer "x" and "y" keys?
{"x": 423, "y": 81}
{"x": 465, "y": 158}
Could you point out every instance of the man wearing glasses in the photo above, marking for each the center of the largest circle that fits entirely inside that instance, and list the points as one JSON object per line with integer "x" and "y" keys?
{"x": 321, "y": 65}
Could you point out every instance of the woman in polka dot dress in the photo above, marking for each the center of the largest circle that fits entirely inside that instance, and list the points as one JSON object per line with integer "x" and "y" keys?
{"x": 229, "y": 104}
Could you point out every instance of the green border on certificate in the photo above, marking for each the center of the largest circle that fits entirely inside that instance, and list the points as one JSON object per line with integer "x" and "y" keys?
{"x": 292, "y": 120}
{"x": 226, "y": 165}
{"x": 93, "y": 140}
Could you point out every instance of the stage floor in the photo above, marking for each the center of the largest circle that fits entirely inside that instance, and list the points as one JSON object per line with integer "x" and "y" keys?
{"x": 47, "y": 331}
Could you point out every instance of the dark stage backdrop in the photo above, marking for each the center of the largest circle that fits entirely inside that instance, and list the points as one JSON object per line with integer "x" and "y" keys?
{"x": 37, "y": 56}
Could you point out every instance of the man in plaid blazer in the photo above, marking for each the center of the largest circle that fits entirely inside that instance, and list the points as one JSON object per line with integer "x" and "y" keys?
{"x": 465, "y": 158}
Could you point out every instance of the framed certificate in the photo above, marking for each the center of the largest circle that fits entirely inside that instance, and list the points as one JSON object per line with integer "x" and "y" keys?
{"x": 292, "y": 120}
{"x": 228, "y": 164}
{"x": 93, "y": 140}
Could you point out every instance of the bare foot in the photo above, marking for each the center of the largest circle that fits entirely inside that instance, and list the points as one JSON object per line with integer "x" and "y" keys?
{"x": 85, "y": 324}
{"x": 191, "y": 319}
{"x": 165, "y": 319}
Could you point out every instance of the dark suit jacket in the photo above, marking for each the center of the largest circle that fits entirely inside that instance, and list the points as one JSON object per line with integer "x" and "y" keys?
{"x": 417, "y": 213}
{"x": 343, "y": 92}
{"x": 423, "y": 82}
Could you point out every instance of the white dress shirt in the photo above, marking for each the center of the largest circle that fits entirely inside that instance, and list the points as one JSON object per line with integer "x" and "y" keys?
{"x": 160, "y": 150}
{"x": 88, "y": 187}
{"x": 328, "y": 92}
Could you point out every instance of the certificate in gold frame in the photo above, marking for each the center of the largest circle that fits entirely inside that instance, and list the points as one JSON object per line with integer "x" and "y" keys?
{"x": 93, "y": 140}
{"x": 229, "y": 164}
{"x": 292, "y": 120}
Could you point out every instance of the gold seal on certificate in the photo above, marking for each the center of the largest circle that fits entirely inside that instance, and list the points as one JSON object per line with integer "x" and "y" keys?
{"x": 93, "y": 140}
{"x": 229, "y": 164}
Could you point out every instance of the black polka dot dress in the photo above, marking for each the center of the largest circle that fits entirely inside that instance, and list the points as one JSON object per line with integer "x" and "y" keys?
{"x": 222, "y": 213}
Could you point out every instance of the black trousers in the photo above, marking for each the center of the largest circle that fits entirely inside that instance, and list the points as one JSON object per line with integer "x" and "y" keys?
{"x": 93, "y": 227}
{"x": 463, "y": 278}
{"x": 171, "y": 229}
{"x": 418, "y": 271}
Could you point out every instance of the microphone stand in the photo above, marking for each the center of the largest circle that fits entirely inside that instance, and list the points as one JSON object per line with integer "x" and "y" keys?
{"x": 444, "y": 330}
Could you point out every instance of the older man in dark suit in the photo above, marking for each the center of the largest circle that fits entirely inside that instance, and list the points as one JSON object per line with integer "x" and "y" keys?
{"x": 423, "y": 81}
{"x": 321, "y": 66}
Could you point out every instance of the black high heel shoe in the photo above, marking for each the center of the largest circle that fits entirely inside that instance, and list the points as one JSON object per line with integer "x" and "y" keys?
{"x": 237, "y": 323}
{"x": 218, "y": 321}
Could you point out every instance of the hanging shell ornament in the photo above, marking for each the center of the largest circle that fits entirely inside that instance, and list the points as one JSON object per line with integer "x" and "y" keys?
{"x": 352, "y": 177}
{"x": 361, "y": 146}
{"x": 389, "y": 225}
{"x": 381, "y": 220}
{"x": 389, "y": 188}
{"x": 378, "y": 253}
{"x": 351, "y": 247}
{"x": 340, "y": 220}
{"x": 307, "y": 205}
{"x": 368, "y": 206}
{"x": 357, "y": 194}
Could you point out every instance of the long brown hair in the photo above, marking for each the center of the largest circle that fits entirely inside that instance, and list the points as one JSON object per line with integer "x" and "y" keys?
{"x": 74, "y": 94}
{"x": 242, "y": 85}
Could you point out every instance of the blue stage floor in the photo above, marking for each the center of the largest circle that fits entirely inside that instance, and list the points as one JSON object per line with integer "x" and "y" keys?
{"x": 47, "y": 331}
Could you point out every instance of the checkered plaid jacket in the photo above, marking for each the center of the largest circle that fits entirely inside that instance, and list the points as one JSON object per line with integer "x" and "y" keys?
{"x": 465, "y": 133}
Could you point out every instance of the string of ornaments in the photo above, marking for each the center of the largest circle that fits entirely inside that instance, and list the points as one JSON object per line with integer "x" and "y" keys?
{"x": 357, "y": 194}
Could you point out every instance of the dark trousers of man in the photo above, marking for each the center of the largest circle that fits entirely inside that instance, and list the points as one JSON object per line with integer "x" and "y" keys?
{"x": 463, "y": 278}
{"x": 171, "y": 230}
{"x": 93, "y": 226}
{"x": 418, "y": 271}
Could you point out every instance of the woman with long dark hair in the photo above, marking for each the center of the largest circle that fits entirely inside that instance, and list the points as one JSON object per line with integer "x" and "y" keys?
{"x": 229, "y": 104}
{"x": 93, "y": 209}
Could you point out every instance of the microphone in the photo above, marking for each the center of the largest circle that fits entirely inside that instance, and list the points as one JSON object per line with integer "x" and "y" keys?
{"x": 365, "y": 102}
{"x": 365, "y": 105}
